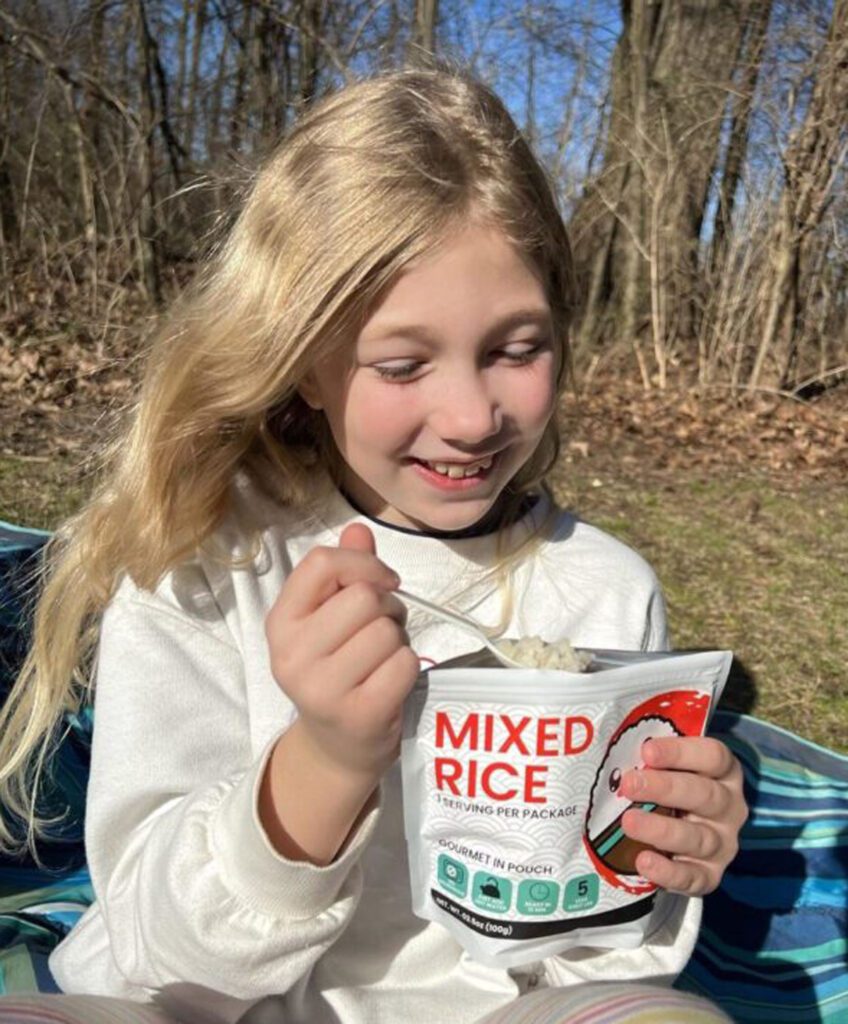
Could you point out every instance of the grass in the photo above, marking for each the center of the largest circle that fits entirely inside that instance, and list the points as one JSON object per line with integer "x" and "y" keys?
{"x": 746, "y": 565}
{"x": 749, "y": 567}
{"x": 40, "y": 492}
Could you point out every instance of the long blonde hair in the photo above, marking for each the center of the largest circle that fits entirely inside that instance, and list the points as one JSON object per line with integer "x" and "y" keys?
{"x": 369, "y": 178}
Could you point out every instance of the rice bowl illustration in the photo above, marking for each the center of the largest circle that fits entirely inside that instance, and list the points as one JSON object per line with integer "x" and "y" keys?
{"x": 613, "y": 854}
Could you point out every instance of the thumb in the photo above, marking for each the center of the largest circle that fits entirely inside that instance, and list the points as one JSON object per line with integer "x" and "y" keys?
{"x": 357, "y": 537}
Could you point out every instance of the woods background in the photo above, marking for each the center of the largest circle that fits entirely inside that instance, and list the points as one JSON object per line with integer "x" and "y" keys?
{"x": 699, "y": 153}
{"x": 699, "y": 150}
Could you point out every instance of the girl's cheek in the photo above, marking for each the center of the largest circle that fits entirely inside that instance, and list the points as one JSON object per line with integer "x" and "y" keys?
{"x": 538, "y": 396}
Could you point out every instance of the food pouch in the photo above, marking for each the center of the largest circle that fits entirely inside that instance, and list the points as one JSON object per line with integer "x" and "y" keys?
{"x": 512, "y": 805}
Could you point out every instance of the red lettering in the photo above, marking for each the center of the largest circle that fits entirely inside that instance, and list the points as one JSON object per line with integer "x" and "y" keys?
{"x": 463, "y": 779}
{"x": 448, "y": 770}
{"x": 488, "y": 732}
{"x": 468, "y": 732}
{"x": 546, "y": 737}
{"x": 578, "y": 721}
{"x": 534, "y": 778}
{"x": 513, "y": 737}
{"x": 486, "y": 781}
{"x": 471, "y": 788}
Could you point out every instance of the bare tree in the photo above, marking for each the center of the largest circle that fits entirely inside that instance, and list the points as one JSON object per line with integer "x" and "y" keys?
{"x": 813, "y": 163}
{"x": 424, "y": 29}
{"x": 638, "y": 225}
{"x": 712, "y": 227}
{"x": 749, "y": 61}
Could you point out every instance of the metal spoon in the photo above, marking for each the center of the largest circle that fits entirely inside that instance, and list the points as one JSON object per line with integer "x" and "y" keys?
{"x": 461, "y": 622}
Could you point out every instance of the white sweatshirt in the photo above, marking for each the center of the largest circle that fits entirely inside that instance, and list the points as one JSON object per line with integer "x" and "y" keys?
{"x": 195, "y": 910}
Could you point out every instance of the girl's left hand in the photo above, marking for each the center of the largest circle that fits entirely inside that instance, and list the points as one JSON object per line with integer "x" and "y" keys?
{"x": 701, "y": 778}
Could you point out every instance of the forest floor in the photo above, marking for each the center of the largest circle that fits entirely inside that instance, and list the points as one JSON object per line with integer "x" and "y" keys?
{"x": 738, "y": 500}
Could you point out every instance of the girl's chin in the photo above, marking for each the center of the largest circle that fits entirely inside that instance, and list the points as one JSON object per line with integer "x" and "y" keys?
{"x": 425, "y": 505}
{"x": 448, "y": 516}
{"x": 425, "y": 518}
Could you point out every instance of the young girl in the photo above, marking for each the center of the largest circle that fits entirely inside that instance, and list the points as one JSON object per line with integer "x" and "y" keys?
{"x": 361, "y": 391}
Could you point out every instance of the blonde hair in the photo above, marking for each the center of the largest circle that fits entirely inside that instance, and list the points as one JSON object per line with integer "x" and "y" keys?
{"x": 368, "y": 179}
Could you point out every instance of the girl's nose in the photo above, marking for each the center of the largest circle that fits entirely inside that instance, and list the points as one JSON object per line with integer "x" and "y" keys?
{"x": 466, "y": 413}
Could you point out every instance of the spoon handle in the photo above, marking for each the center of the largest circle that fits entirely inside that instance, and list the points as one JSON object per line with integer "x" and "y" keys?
{"x": 460, "y": 621}
{"x": 440, "y": 612}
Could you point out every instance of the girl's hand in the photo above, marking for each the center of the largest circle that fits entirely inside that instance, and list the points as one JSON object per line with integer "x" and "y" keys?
{"x": 699, "y": 776}
{"x": 339, "y": 651}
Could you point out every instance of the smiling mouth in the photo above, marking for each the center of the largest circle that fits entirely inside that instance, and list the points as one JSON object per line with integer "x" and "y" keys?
{"x": 458, "y": 470}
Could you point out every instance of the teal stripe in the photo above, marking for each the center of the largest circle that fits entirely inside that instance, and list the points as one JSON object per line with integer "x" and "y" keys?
{"x": 834, "y": 950}
{"x": 756, "y": 973}
{"x": 803, "y": 777}
{"x": 798, "y": 828}
{"x": 756, "y": 1011}
{"x": 820, "y": 841}
{"x": 23, "y": 529}
{"x": 772, "y": 819}
{"x": 766, "y": 726}
{"x": 796, "y": 782}
{"x": 812, "y": 814}
{"x": 797, "y": 778}
{"x": 618, "y": 835}
{"x": 610, "y": 843}
{"x": 800, "y": 793}
{"x": 785, "y": 892}
{"x": 774, "y": 1013}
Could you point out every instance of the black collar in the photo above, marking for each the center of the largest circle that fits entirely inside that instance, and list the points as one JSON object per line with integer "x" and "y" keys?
{"x": 494, "y": 520}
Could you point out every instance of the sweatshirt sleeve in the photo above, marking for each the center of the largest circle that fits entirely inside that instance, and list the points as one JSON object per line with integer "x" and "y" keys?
{"x": 655, "y": 637}
{"x": 188, "y": 886}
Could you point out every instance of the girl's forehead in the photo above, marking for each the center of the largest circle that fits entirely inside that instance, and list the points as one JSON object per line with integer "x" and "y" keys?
{"x": 473, "y": 274}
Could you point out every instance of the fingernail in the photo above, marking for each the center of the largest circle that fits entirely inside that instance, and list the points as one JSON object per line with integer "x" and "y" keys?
{"x": 395, "y": 579}
{"x": 647, "y": 861}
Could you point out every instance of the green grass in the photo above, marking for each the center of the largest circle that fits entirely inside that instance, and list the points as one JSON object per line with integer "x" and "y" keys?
{"x": 750, "y": 567}
{"x": 745, "y": 564}
{"x": 41, "y": 492}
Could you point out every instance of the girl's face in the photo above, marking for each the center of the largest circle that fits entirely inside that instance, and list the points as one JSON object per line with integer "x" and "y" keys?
{"x": 447, "y": 389}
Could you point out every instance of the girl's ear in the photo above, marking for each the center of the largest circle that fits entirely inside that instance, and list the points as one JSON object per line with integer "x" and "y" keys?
{"x": 308, "y": 391}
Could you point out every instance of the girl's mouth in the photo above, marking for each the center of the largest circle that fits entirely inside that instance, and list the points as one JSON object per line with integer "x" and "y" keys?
{"x": 455, "y": 475}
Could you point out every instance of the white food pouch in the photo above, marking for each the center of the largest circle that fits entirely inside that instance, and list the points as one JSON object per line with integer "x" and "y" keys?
{"x": 512, "y": 804}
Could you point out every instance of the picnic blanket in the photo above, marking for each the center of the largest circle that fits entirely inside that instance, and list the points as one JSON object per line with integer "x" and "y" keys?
{"x": 773, "y": 942}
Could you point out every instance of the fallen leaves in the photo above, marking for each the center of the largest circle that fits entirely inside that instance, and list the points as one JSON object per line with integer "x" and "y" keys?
{"x": 667, "y": 430}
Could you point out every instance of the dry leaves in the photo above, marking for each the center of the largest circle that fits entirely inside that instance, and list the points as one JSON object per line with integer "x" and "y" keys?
{"x": 56, "y": 380}
{"x": 674, "y": 429}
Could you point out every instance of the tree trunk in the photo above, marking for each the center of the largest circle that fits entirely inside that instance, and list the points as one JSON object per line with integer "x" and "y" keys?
{"x": 194, "y": 79}
{"x": 750, "y": 60}
{"x": 9, "y": 223}
{"x": 424, "y": 27}
{"x": 636, "y": 229}
{"x": 309, "y": 30}
{"x": 148, "y": 228}
{"x": 238, "y": 113}
{"x": 812, "y": 162}
{"x": 216, "y": 106}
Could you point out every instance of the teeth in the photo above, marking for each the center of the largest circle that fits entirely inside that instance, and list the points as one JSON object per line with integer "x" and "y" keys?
{"x": 456, "y": 472}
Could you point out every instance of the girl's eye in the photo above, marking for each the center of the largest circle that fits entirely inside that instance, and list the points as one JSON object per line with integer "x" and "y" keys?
{"x": 396, "y": 371}
{"x": 615, "y": 780}
{"x": 520, "y": 356}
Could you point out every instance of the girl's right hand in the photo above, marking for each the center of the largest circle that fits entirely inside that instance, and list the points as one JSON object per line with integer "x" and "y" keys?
{"x": 340, "y": 652}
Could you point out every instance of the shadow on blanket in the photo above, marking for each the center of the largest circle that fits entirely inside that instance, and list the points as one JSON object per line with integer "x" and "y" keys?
{"x": 773, "y": 941}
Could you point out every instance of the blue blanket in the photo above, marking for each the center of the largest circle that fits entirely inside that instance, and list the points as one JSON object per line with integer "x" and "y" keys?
{"x": 773, "y": 942}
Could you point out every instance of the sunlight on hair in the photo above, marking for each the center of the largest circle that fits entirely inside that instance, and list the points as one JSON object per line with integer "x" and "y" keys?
{"x": 369, "y": 179}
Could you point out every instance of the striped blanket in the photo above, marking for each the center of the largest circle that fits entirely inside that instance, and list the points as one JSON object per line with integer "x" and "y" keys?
{"x": 773, "y": 942}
